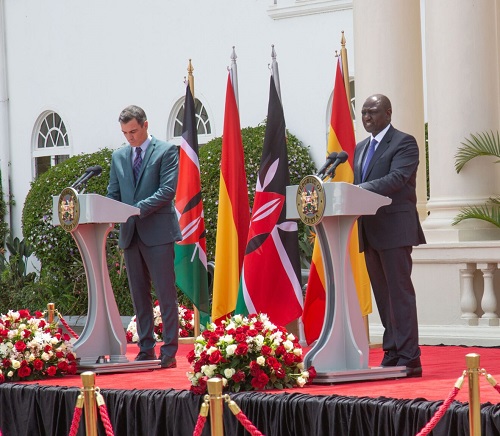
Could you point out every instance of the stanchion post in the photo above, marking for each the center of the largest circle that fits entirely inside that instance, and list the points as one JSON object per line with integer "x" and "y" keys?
{"x": 214, "y": 386}
{"x": 90, "y": 408}
{"x": 51, "y": 309}
{"x": 472, "y": 361}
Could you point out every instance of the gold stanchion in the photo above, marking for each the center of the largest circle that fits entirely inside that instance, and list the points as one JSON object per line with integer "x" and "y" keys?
{"x": 214, "y": 386}
{"x": 51, "y": 309}
{"x": 472, "y": 361}
{"x": 90, "y": 408}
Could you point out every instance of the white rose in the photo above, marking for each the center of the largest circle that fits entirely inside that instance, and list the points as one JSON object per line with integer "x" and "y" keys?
{"x": 15, "y": 364}
{"x": 10, "y": 374}
{"x": 290, "y": 337}
{"x": 230, "y": 349}
{"x": 261, "y": 360}
{"x": 238, "y": 319}
{"x": 228, "y": 339}
{"x": 45, "y": 356}
{"x": 297, "y": 351}
{"x": 229, "y": 372}
{"x": 288, "y": 345}
{"x": 301, "y": 381}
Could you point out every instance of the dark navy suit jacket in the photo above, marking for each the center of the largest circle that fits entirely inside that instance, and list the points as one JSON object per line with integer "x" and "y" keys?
{"x": 392, "y": 172}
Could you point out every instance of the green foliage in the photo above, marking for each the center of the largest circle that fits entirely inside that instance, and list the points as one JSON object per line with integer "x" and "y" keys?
{"x": 300, "y": 164}
{"x": 62, "y": 276}
{"x": 480, "y": 144}
{"x": 4, "y": 228}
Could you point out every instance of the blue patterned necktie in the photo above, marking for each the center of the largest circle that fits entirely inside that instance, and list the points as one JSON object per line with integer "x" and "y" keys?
{"x": 369, "y": 155}
{"x": 137, "y": 163}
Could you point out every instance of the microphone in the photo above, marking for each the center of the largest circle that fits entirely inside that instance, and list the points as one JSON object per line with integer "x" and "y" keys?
{"x": 89, "y": 173}
{"x": 331, "y": 157}
{"x": 341, "y": 158}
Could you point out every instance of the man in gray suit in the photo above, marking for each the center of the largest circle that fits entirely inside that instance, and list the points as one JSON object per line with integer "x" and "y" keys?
{"x": 144, "y": 174}
{"x": 386, "y": 163}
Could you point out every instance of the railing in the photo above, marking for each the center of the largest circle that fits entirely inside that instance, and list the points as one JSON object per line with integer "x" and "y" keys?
{"x": 477, "y": 308}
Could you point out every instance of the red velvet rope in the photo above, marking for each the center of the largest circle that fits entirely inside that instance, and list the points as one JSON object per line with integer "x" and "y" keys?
{"x": 199, "y": 425}
{"x": 496, "y": 387}
{"x": 66, "y": 326}
{"x": 105, "y": 420}
{"x": 440, "y": 412}
{"x": 75, "y": 422}
{"x": 248, "y": 425}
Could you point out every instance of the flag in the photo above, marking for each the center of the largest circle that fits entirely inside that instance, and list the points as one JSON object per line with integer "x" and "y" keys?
{"x": 233, "y": 213}
{"x": 270, "y": 280}
{"x": 190, "y": 253}
{"x": 340, "y": 138}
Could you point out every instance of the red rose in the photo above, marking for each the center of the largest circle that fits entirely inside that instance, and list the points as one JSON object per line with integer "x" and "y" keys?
{"x": 59, "y": 354}
{"x": 42, "y": 323}
{"x": 63, "y": 366}
{"x": 240, "y": 337}
{"x": 215, "y": 357}
{"x": 2, "y": 378}
{"x": 289, "y": 358}
{"x": 66, "y": 337}
{"x": 129, "y": 336}
{"x": 266, "y": 350}
{"x": 241, "y": 349}
{"x": 38, "y": 314}
{"x": 254, "y": 368}
{"x": 38, "y": 364}
{"x": 238, "y": 376}
{"x": 47, "y": 348}
{"x": 312, "y": 373}
{"x": 51, "y": 371}
{"x": 280, "y": 372}
{"x": 6, "y": 363}
{"x": 191, "y": 356}
{"x": 71, "y": 357}
{"x": 280, "y": 350}
{"x": 260, "y": 381}
{"x": 24, "y": 371}
{"x": 20, "y": 346}
{"x": 273, "y": 362}
{"x": 72, "y": 368}
{"x": 252, "y": 333}
{"x": 24, "y": 313}
{"x": 183, "y": 333}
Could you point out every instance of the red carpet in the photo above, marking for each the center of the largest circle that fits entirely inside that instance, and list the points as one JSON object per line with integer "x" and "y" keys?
{"x": 442, "y": 365}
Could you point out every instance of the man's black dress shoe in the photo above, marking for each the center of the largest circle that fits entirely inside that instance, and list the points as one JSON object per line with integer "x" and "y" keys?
{"x": 414, "y": 372}
{"x": 389, "y": 360}
{"x": 168, "y": 362}
{"x": 145, "y": 355}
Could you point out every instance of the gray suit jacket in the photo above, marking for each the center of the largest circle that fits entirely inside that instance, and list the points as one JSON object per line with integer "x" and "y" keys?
{"x": 153, "y": 194}
{"x": 392, "y": 172}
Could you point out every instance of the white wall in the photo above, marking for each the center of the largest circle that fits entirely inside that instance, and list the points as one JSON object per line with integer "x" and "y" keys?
{"x": 88, "y": 60}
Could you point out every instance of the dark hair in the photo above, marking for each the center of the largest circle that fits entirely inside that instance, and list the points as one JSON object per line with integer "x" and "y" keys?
{"x": 132, "y": 112}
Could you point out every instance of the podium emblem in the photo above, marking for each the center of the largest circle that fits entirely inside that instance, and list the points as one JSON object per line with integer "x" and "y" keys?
{"x": 311, "y": 200}
{"x": 69, "y": 209}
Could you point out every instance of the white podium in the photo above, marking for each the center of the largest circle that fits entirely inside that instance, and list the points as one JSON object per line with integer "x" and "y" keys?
{"x": 341, "y": 352}
{"x": 90, "y": 217}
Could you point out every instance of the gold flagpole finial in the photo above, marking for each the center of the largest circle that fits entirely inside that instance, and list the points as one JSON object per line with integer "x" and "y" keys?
{"x": 345, "y": 71}
{"x": 190, "y": 70}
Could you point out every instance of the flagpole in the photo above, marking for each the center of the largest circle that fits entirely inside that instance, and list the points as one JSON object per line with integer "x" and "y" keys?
{"x": 196, "y": 312}
{"x": 345, "y": 72}
{"x": 274, "y": 72}
{"x": 233, "y": 71}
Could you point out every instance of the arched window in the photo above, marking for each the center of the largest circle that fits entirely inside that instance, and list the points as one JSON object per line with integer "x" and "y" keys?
{"x": 203, "y": 124}
{"x": 51, "y": 142}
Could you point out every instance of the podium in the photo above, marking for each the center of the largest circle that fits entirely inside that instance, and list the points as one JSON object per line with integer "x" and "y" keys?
{"x": 89, "y": 218}
{"x": 341, "y": 352}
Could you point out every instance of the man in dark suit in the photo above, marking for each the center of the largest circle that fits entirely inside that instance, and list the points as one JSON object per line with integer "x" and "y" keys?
{"x": 386, "y": 163}
{"x": 144, "y": 174}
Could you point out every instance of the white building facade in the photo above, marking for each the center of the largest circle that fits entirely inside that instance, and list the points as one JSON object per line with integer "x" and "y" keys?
{"x": 67, "y": 69}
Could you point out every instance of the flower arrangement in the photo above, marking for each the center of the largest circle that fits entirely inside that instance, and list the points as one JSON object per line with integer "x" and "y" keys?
{"x": 33, "y": 349}
{"x": 186, "y": 324}
{"x": 247, "y": 353}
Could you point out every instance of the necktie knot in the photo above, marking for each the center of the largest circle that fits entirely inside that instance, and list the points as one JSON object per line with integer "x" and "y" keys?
{"x": 368, "y": 158}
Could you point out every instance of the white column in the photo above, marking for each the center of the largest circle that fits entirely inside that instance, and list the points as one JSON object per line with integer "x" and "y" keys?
{"x": 462, "y": 98}
{"x": 4, "y": 109}
{"x": 388, "y": 60}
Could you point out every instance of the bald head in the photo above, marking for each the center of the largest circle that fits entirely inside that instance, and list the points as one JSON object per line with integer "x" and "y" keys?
{"x": 376, "y": 113}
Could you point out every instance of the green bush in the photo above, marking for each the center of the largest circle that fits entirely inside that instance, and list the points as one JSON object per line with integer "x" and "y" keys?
{"x": 300, "y": 165}
{"x": 62, "y": 276}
